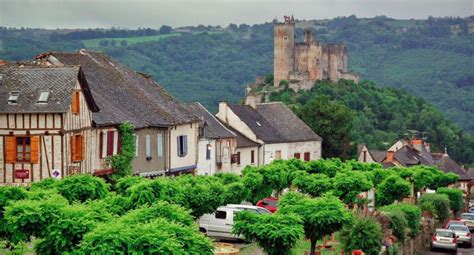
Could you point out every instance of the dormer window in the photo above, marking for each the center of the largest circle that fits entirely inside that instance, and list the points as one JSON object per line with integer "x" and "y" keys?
{"x": 13, "y": 98}
{"x": 43, "y": 97}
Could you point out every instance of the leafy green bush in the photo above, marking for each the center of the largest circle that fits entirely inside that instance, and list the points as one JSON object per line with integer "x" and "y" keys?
{"x": 275, "y": 233}
{"x": 412, "y": 215}
{"x": 27, "y": 218}
{"x": 312, "y": 184}
{"x": 122, "y": 185}
{"x": 321, "y": 216}
{"x": 347, "y": 185}
{"x": 48, "y": 183}
{"x": 436, "y": 204}
{"x": 66, "y": 229}
{"x": 391, "y": 189}
{"x": 455, "y": 198}
{"x": 82, "y": 187}
{"x": 159, "y": 236}
{"x": 398, "y": 224}
{"x": 160, "y": 209}
{"x": 365, "y": 234}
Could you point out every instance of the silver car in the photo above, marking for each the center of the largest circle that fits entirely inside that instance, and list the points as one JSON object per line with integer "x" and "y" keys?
{"x": 463, "y": 234}
{"x": 444, "y": 239}
{"x": 468, "y": 219}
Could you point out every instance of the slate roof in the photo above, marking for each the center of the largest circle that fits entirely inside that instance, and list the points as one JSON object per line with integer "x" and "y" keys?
{"x": 30, "y": 81}
{"x": 124, "y": 95}
{"x": 213, "y": 127}
{"x": 242, "y": 140}
{"x": 448, "y": 165}
{"x": 378, "y": 156}
{"x": 275, "y": 123}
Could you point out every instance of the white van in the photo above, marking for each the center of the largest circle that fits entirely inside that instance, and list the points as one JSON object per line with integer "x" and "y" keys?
{"x": 219, "y": 224}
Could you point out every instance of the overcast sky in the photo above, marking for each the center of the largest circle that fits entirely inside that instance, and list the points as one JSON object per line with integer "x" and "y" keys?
{"x": 154, "y": 13}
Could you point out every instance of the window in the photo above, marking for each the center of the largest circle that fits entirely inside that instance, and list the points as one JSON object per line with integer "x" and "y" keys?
{"x": 43, "y": 97}
{"x": 77, "y": 148}
{"x": 297, "y": 155}
{"x": 159, "y": 142}
{"x": 21, "y": 149}
{"x": 75, "y": 104}
{"x": 277, "y": 154}
{"x": 148, "y": 147}
{"x": 307, "y": 156}
{"x": 109, "y": 143}
{"x": 238, "y": 158}
{"x": 182, "y": 142}
{"x": 208, "y": 151}
{"x": 13, "y": 98}
{"x": 201, "y": 132}
{"x": 221, "y": 215}
{"x": 252, "y": 157}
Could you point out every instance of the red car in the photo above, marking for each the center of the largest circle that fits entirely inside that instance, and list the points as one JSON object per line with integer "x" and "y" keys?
{"x": 268, "y": 203}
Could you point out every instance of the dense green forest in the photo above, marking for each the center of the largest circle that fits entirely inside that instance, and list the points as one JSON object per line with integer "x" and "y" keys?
{"x": 428, "y": 58}
{"x": 346, "y": 114}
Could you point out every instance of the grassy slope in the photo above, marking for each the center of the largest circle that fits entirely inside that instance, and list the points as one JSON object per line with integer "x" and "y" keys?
{"x": 94, "y": 43}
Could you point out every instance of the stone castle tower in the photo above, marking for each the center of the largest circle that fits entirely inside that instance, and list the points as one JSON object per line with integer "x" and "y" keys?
{"x": 303, "y": 63}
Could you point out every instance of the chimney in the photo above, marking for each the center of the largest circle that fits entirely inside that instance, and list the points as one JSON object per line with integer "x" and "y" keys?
{"x": 390, "y": 156}
{"x": 2, "y": 62}
{"x": 417, "y": 144}
{"x": 222, "y": 114}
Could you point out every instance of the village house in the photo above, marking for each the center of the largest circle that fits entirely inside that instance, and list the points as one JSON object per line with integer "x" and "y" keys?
{"x": 166, "y": 132}
{"x": 216, "y": 143}
{"x": 266, "y": 132}
{"x": 406, "y": 153}
{"x": 45, "y": 123}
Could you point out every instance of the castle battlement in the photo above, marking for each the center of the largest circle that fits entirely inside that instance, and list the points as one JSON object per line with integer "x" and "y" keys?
{"x": 303, "y": 63}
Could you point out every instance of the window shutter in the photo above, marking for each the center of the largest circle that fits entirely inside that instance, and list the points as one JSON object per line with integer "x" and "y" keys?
{"x": 34, "y": 146}
{"x": 148, "y": 146}
{"x": 137, "y": 139}
{"x": 252, "y": 156}
{"x": 238, "y": 158}
{"x": 75, "y": 104}
{"x": 115, "y": 145}
{"x": 178, "y": 145}
{"x": 73, "y": 148}
{"x": 185, "y": 143}
{"x": 80, "y": 147}
{"x": 10, "y": 151}
{"x": 101, "y": 144}
{"x": 110, "y": 143}
{"x": 307, "y": 156}
{"x": 119, "y": 142}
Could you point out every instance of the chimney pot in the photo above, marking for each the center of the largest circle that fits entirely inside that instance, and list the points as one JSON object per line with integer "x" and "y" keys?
{"x": 390, "y": 156}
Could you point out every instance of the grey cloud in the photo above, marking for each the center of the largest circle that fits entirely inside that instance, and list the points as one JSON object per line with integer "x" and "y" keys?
{"x": 149, "y": 13}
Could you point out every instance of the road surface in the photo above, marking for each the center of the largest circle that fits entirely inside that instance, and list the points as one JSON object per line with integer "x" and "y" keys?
{"x": 461, "y": 251}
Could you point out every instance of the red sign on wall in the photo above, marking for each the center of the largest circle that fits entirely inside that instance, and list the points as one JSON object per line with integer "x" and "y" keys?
{"x": 22, "y": 174}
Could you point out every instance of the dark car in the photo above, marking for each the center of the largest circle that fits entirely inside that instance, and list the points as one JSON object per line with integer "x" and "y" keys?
{"x": 269, "y": 203}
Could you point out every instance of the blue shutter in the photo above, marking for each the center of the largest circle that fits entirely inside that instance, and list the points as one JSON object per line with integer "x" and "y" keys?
{"x": 178, "y": 146}
{"x": 185, "y": 142}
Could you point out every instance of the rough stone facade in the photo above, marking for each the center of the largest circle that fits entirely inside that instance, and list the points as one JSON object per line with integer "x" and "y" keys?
{"x": 303, "y": 63}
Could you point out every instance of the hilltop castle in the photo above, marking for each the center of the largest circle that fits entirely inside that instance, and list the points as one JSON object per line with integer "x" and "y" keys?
{"x": 303, "y": 63}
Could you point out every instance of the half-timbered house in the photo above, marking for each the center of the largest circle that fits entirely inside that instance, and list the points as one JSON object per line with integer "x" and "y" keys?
{"x": 166, "y": 132}
{"x": 45, "y": 123}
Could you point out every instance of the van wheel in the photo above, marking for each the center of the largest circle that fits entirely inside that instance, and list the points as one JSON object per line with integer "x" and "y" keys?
{"x": 203, "y": 230}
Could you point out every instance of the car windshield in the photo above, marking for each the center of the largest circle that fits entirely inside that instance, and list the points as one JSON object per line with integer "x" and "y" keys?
{"x": 271, "y": 202}
{"x": 459, "y": 228}
{"x": 445, "y": 234}
{"x": 467, "y": 216}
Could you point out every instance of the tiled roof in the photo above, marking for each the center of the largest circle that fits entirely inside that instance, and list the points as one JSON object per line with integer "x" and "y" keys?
{"x": 213, "y": 127}
{"x": 448, "y": 165}
{"x": 124, "y": 95}
{"x": 378, "y": 156}
{"x": 29, "y": 81}
{"x": 275, "y": 123}
{"x": 242, "y": 140}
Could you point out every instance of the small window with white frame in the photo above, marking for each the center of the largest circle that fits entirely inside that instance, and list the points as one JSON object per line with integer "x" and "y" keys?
{"x": 43, "y": 97}
{"x": 13, "y": 98}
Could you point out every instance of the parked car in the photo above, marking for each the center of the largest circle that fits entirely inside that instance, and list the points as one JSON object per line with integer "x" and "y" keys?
{"x": 444, "y": 239}
{"x": 219, "y": 224}
{"x": 463, "y": 234}
{"x": 454, "y": 222}
{"x": 257, "y": 209}
{"x": 269, "y": 203}
{"x": 468, "y": 219}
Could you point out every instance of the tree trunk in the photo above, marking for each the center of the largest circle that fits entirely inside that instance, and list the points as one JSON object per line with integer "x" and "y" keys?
{"x": 313, "y": 246}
